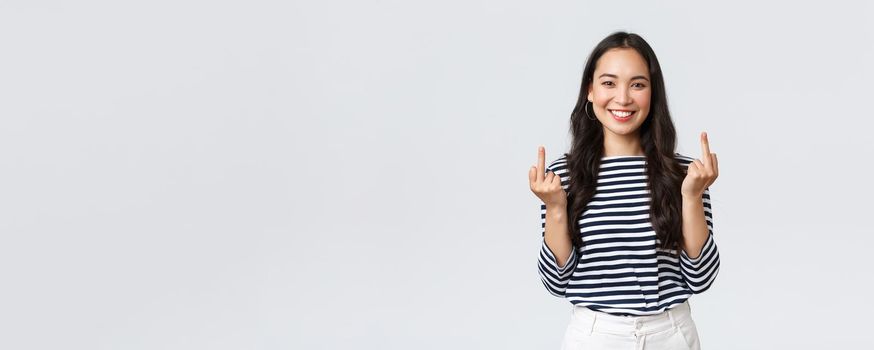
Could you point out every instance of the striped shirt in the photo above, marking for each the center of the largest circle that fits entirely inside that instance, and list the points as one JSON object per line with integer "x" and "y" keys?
{"x": 621, "y": 270}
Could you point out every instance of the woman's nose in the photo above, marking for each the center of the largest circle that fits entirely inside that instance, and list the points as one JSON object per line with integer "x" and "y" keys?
{"x": 623, "y": 97}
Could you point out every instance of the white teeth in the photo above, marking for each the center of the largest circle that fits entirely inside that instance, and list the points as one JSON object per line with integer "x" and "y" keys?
{"x": 621, "y": 114}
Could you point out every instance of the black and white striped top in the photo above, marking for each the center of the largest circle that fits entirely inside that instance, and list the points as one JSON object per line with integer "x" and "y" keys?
{"x": 620, "y": 270}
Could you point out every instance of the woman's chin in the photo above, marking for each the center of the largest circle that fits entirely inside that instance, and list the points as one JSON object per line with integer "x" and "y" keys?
{"x": 624, "y": 129}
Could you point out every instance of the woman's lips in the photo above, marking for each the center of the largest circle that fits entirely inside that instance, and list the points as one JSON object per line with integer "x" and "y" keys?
{"x": 622, "y": 116}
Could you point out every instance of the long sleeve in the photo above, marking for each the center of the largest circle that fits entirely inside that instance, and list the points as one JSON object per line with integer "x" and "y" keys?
{"x": 555, "y": 279}
{"x": 699, "y": 273}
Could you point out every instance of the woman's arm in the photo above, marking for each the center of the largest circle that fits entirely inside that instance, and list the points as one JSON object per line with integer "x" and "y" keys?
{"x": 699, "y": 260}
{"x": 555, "y": 234}
{"x": 695, "y": 229}
{"x": 557, "y": 256}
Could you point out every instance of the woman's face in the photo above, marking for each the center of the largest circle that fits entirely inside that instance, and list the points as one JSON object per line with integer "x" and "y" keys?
{"x": 621, "y": 85}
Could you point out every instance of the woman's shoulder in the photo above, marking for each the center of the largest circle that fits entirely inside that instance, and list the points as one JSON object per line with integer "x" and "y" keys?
{"x": 683, "y": 159}
{"x": 558, "y": 165}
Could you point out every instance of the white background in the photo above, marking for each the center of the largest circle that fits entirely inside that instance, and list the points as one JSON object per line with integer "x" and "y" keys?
{"x": 327, "y": 175}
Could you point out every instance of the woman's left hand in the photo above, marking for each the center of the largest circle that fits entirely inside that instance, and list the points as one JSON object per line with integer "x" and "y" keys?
{"x": 701, "y": 172}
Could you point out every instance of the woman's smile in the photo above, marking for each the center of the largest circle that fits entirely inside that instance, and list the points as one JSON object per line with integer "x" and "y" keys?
{"x": 622, "y": 115}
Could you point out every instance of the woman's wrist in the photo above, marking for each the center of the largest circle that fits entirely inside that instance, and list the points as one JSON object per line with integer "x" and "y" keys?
{"x": 556, "y": 209}
{"x": 688, "y": 197}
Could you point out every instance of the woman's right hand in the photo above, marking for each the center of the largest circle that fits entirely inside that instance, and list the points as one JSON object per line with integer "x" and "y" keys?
{"x": 546, "y": 186}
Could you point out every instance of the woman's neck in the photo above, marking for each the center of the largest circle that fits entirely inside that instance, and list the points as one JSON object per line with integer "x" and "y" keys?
{"x": 622, "y": 145}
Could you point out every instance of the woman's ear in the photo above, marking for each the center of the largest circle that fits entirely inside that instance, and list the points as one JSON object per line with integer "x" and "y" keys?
{"x": 589, "y": 96}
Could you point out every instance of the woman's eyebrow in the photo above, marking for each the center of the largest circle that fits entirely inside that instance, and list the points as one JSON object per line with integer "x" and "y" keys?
{"x": 614, "y": 76}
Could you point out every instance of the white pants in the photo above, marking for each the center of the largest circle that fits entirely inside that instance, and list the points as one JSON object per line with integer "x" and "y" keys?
{"x": 672, "y": 329}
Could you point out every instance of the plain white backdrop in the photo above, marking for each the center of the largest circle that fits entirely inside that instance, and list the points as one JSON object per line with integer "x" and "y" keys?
{"x": 353, "y": 174}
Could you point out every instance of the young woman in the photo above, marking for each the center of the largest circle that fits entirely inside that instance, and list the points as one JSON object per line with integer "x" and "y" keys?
{"x": 627, "y": 222}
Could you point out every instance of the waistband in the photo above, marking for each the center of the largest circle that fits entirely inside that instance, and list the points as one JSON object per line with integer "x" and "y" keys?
{"x": 589, "y": 320}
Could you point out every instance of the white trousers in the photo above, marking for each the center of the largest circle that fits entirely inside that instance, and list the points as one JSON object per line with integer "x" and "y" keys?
{"x": 672, "y": 329}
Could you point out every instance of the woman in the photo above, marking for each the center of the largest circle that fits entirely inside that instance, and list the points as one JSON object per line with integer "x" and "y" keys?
{"x": 643, "y": 240}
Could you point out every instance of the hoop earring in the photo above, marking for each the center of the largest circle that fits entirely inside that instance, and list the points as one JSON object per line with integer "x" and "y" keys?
{"x": 587, "y": 111}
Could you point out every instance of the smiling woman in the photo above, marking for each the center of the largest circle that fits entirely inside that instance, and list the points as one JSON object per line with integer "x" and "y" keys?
{"x": 621, "y": 93}
{"x": 627, "y": 222}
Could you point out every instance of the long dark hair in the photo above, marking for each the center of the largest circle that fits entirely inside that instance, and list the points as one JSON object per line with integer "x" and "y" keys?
{"x": 658, "y": 138}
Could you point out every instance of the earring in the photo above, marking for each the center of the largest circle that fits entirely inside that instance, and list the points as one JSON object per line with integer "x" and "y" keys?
{"x": 587, "y": 111}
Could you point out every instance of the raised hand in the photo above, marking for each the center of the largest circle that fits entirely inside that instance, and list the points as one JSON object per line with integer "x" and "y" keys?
{"x": 546, "y": 186}
{"x": 701, "y": 172}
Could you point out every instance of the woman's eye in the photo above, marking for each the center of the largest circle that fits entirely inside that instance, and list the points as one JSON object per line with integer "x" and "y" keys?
{"x": 608, "y": 83}
{"x": 640, "y": 85}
